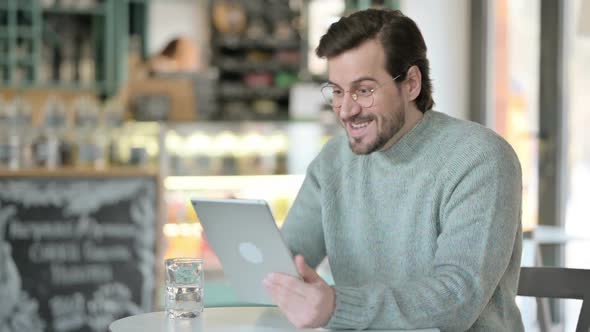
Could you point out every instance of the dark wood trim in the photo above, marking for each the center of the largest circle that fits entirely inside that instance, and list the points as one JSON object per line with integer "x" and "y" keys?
{"x": 478, "y": 62}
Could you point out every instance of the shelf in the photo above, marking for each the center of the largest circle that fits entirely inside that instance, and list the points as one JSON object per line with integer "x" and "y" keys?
{"x": 21, "y": 5}
{"x": 29, "y": 61}
{"x": 262, "y": 60}
{"x": 240, "y": 91}
{"x": 94, "y": 10}
{"x": 20, "y": 31}
{"x": 236, "y": 66}
{"x": 244, "y": 43}
{"x": 80, "y": 172}
{"x": 25, "y": 32}
{"x": 59, "y": 86}
{"x": 20, "y": 85}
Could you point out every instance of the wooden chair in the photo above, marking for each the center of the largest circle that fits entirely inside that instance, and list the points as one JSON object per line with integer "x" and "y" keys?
{"x": 556, "y": 282}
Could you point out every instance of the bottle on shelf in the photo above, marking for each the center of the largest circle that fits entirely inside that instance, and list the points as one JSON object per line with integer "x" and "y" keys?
{"x": 47, "y": 60}
{"x": 50, "y": 147}
{"x": 90, "y": 136}
{"x": 67, "y": 66}
{"x": 86, "y": 64}
{"x": 112, "y": 122}
{"x": 13, "y": 134}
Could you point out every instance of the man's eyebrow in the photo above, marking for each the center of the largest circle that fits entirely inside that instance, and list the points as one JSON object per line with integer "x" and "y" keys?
{"x": 358, "y": 80}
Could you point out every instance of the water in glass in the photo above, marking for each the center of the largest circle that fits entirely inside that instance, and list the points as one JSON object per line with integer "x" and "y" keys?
{"x": 184, "y": 287}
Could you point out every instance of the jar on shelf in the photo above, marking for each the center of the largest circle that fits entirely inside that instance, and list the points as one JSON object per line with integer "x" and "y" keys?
{"x": 112, "y": 122}
{"x": 204, "y": 159}
{"x": 15, "y": 141}
{"x": 50, "y": 148}
{"x": 9, "y": 143}
{"x": 90, "y": 136}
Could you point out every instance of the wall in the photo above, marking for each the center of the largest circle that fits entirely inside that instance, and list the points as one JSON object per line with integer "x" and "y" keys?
{"x": 172, "y": 18}
{"x": 445, "y": 26}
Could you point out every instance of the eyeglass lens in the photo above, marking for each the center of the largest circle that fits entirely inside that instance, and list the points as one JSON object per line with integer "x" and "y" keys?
{"x": 335, "y": 97}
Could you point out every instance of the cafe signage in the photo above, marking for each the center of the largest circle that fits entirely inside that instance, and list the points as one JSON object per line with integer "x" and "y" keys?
{"x": 83, "y": 251}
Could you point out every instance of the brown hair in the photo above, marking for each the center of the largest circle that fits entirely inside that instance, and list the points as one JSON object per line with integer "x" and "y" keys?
{"x": 398, "y": 34}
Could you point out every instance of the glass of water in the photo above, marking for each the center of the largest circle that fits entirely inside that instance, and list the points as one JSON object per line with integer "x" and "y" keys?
{"x": 184, "y": 287}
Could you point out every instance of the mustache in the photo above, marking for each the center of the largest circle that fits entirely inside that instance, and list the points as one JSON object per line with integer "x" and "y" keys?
{"x": 359, "y": 118}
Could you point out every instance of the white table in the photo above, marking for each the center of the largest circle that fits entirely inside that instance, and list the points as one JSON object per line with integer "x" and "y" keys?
{"x": 237, "y": 319}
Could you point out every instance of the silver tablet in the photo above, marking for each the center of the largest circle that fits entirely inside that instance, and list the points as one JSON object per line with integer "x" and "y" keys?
{"x": 245, "y": 238}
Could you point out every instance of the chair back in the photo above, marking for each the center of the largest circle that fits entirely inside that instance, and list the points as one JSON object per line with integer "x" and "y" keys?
{"x": 557, "y": 282}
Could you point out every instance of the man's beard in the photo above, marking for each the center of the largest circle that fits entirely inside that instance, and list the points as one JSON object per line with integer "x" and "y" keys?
{"x": 395, "y": 125}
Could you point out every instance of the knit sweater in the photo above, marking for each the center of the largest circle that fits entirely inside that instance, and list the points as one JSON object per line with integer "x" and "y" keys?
{"x": 424, "y": 234}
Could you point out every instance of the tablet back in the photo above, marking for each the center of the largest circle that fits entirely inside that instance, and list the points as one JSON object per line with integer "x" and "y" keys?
{"x": 245, "y": 238}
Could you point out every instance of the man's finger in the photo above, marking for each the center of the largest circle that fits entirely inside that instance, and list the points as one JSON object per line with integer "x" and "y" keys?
{"x": 290, "y": 305}
{"x": 275, "y": 293}
{"x": 287, "y": 282}
{"x": 307, "y": 273}
{"x": 285, "y": 299}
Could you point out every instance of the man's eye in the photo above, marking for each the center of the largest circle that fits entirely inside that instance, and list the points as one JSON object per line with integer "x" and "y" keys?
{"x": 337, "y": 92}
{"x": 364, "y": 91}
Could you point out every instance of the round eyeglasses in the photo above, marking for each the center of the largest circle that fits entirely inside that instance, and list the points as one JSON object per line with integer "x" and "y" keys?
{"x": 362, "y": 93}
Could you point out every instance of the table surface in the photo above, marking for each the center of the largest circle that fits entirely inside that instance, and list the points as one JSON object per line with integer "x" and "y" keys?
{"x": 236, "y": 319}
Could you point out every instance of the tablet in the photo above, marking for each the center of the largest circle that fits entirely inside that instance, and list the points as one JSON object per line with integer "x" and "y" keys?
{"x": 244, "y": 236}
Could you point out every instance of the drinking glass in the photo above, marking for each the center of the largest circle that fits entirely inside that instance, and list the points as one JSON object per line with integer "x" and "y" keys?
{"x": 184, "y": 287}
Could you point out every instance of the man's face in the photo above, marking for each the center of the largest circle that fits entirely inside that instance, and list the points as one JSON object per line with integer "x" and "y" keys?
{"x": 374, "y": 127}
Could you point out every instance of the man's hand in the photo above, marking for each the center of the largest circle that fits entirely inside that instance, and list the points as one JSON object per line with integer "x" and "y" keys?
{"x": 307, "y": 303}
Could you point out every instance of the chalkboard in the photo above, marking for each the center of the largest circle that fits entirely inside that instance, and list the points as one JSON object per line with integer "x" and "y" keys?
{"x": 83, "y": 248}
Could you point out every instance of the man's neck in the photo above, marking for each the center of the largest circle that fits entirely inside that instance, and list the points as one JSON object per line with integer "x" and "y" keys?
{"x": 412, "y": 117}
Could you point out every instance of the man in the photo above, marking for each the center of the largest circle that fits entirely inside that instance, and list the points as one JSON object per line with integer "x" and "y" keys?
{"x": 417, "y": 212}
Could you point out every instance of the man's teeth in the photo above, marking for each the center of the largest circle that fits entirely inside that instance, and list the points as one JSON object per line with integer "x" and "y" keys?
{"x": 359, "y": 125}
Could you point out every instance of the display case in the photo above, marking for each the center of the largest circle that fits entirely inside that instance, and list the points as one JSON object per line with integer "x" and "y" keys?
{"x": 257, "y": 160}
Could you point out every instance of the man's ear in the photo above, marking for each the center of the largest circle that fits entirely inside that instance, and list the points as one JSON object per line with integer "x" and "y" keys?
{"x": 414, "y": 80}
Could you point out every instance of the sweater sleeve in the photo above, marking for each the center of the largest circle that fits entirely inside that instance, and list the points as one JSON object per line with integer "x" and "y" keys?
{"x": 479, "y": 222}
{"x": 302, "y": 230}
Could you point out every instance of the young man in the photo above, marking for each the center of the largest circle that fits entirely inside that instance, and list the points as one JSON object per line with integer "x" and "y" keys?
{"x": 417, "y": 212}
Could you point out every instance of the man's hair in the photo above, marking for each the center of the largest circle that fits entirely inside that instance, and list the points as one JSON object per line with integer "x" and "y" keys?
{"x": 398, "y": 34}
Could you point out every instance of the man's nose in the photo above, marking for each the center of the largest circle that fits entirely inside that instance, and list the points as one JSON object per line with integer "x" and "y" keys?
{"x": 349, "y": 108}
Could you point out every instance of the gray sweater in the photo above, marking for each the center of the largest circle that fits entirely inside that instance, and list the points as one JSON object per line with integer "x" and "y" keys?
{"x": 424, "y": 234}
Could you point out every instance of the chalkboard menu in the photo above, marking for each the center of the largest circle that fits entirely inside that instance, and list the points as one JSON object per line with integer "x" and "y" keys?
{"x": 83, "y": 249}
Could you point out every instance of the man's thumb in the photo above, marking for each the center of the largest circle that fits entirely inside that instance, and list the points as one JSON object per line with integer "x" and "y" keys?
{"x": 307, "y": 273}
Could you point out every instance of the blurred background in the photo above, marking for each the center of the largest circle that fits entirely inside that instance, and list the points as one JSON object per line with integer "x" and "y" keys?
{"x": 114, "y": 113}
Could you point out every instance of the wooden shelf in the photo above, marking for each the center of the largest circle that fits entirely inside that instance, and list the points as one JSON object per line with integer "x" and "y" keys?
{"x": 94, "y": 10}
{"x": 236, "y": 66}
{"x": 80, "y": 172}
{"x": 245, "y": 43}
{"x": 240, "y": 91}
{"x": 74, "y": 86}
{"x": 274, "y": 51}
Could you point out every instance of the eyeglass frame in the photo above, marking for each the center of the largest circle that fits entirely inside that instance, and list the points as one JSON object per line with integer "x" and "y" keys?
{"x": 354, "y": 96}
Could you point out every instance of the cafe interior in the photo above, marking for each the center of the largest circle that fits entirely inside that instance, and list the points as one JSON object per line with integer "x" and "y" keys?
{"x": 115, "y": 113}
